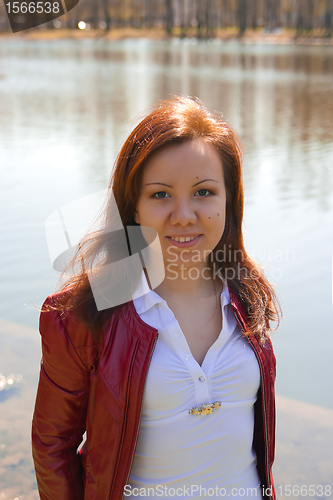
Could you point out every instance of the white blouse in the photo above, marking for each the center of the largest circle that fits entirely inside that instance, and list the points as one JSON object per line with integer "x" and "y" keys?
{"x": 182, "y": 455}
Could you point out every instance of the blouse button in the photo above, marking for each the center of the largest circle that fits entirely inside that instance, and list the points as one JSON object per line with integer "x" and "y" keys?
{"x": 176, "y": 334}
{"x": 202, "y": 379}
{"x": 187, "y": 358}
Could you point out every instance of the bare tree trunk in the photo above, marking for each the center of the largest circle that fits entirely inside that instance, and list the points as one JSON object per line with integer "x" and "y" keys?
{"x": 182, "y": 18}
{"x": 241, "y": 16}
{"x": 74, "y": 17}
{"x": 309, "y": 24}
{"x": 107, "y": 19}
{"x": 268, "y": 23}
{"x": 299, "y": 18}
{"x": 146, "y": 14}
{"x": 329, "y": 17}
{"x": 277, "y": 13}
{"x": 288, "y": 15}
{"x": 168, "y": 16}
{"x": 206, "y": 16}
{"x": 152, "y": 12}
{"x": 207, "y": 7}
{"x": 221, "y": 11}
{"x": 94, "y": 14}
{"x": 211, "y": 15}
{"x": 254, "y": 14}
{"x": 273, "y": 17}
{"x": 198, "y": 17}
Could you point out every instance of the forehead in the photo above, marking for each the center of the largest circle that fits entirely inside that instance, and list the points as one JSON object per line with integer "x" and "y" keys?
{"x": 190, "y": 158}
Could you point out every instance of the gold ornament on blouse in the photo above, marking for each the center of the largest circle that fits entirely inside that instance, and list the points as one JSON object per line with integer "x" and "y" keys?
{"x": 205, "y": 409}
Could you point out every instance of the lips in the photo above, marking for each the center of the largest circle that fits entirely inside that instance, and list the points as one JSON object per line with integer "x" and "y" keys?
{"x": 181, "y": 239}
{"x": 192, "y": 242}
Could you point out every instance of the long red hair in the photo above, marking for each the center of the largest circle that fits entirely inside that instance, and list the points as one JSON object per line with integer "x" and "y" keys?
{"x": 172, "y": 121}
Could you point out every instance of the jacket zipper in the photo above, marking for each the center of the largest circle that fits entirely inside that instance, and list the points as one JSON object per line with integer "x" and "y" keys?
{"x": 138, "y": 428}
{"x": 263, "y": 395}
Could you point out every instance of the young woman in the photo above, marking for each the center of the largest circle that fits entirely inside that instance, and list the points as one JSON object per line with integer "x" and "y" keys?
{"x": 174, "y": 387}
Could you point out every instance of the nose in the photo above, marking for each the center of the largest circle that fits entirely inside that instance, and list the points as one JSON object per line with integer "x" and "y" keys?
{"x": 183, "y": 213}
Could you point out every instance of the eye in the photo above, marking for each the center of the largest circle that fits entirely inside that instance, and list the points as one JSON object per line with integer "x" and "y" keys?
{"x": 204, "y": 192}
{"x": 160, "y": 195}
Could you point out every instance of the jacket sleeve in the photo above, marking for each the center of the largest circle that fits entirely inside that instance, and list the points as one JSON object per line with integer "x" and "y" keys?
{"x": 60, "y": 413}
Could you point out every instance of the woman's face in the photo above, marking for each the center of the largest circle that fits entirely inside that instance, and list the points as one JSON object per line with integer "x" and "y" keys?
{"x": 183, "y": 196}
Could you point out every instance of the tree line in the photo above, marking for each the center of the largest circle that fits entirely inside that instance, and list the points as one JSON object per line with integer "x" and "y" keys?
{"x": 202, "y": 18}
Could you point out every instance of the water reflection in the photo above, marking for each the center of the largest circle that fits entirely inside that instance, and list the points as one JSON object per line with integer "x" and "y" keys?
{"x": 66, "y": 108}
{"x": 86, "y": 94}
{"x": 9, "y": 394}
{"x": 10, "y": 381}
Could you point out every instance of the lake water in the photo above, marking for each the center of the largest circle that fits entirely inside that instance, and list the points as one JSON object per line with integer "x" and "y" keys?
{"x": 65, "y": 109}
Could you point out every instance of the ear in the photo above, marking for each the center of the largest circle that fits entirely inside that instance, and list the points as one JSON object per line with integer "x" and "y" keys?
{"x": 136, "y": 217}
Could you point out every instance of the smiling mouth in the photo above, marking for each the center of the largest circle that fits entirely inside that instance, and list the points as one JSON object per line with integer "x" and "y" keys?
{"x": 181, "y": 239}
{"x": 184, "y": 241}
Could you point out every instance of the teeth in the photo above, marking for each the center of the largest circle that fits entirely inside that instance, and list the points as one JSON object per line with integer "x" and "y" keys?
{"x": 181, "y": 239}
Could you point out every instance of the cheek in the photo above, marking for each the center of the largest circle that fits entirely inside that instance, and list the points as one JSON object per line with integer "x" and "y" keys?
{"x": 217, "y": 222}
{"x": 216, "y": 213}
{"x": 151, "y": 215}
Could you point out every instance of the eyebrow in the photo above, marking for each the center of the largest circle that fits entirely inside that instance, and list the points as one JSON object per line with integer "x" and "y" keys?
{"x": 167, "y": 185}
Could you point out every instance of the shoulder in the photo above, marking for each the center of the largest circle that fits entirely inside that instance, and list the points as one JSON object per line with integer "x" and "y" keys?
{"x": 63, "y": 334}
{"x": 55, "y": 314}
{"x": 57, "y": 319}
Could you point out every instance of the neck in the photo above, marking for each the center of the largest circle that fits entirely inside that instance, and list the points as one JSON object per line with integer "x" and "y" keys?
{"x": 189, "y": 283}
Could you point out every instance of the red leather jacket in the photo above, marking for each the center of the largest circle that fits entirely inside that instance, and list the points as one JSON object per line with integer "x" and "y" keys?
{"x": 98, "y": 388}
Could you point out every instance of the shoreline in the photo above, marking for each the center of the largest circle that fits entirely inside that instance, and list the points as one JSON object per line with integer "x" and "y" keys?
{"x": 250, "y": 37}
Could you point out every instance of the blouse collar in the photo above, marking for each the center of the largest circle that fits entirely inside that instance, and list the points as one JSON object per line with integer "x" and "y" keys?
{"x": 144, "y": 298}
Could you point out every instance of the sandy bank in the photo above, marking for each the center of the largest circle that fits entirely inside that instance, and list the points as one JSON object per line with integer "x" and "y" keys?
{"x": 285, "y": 37}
